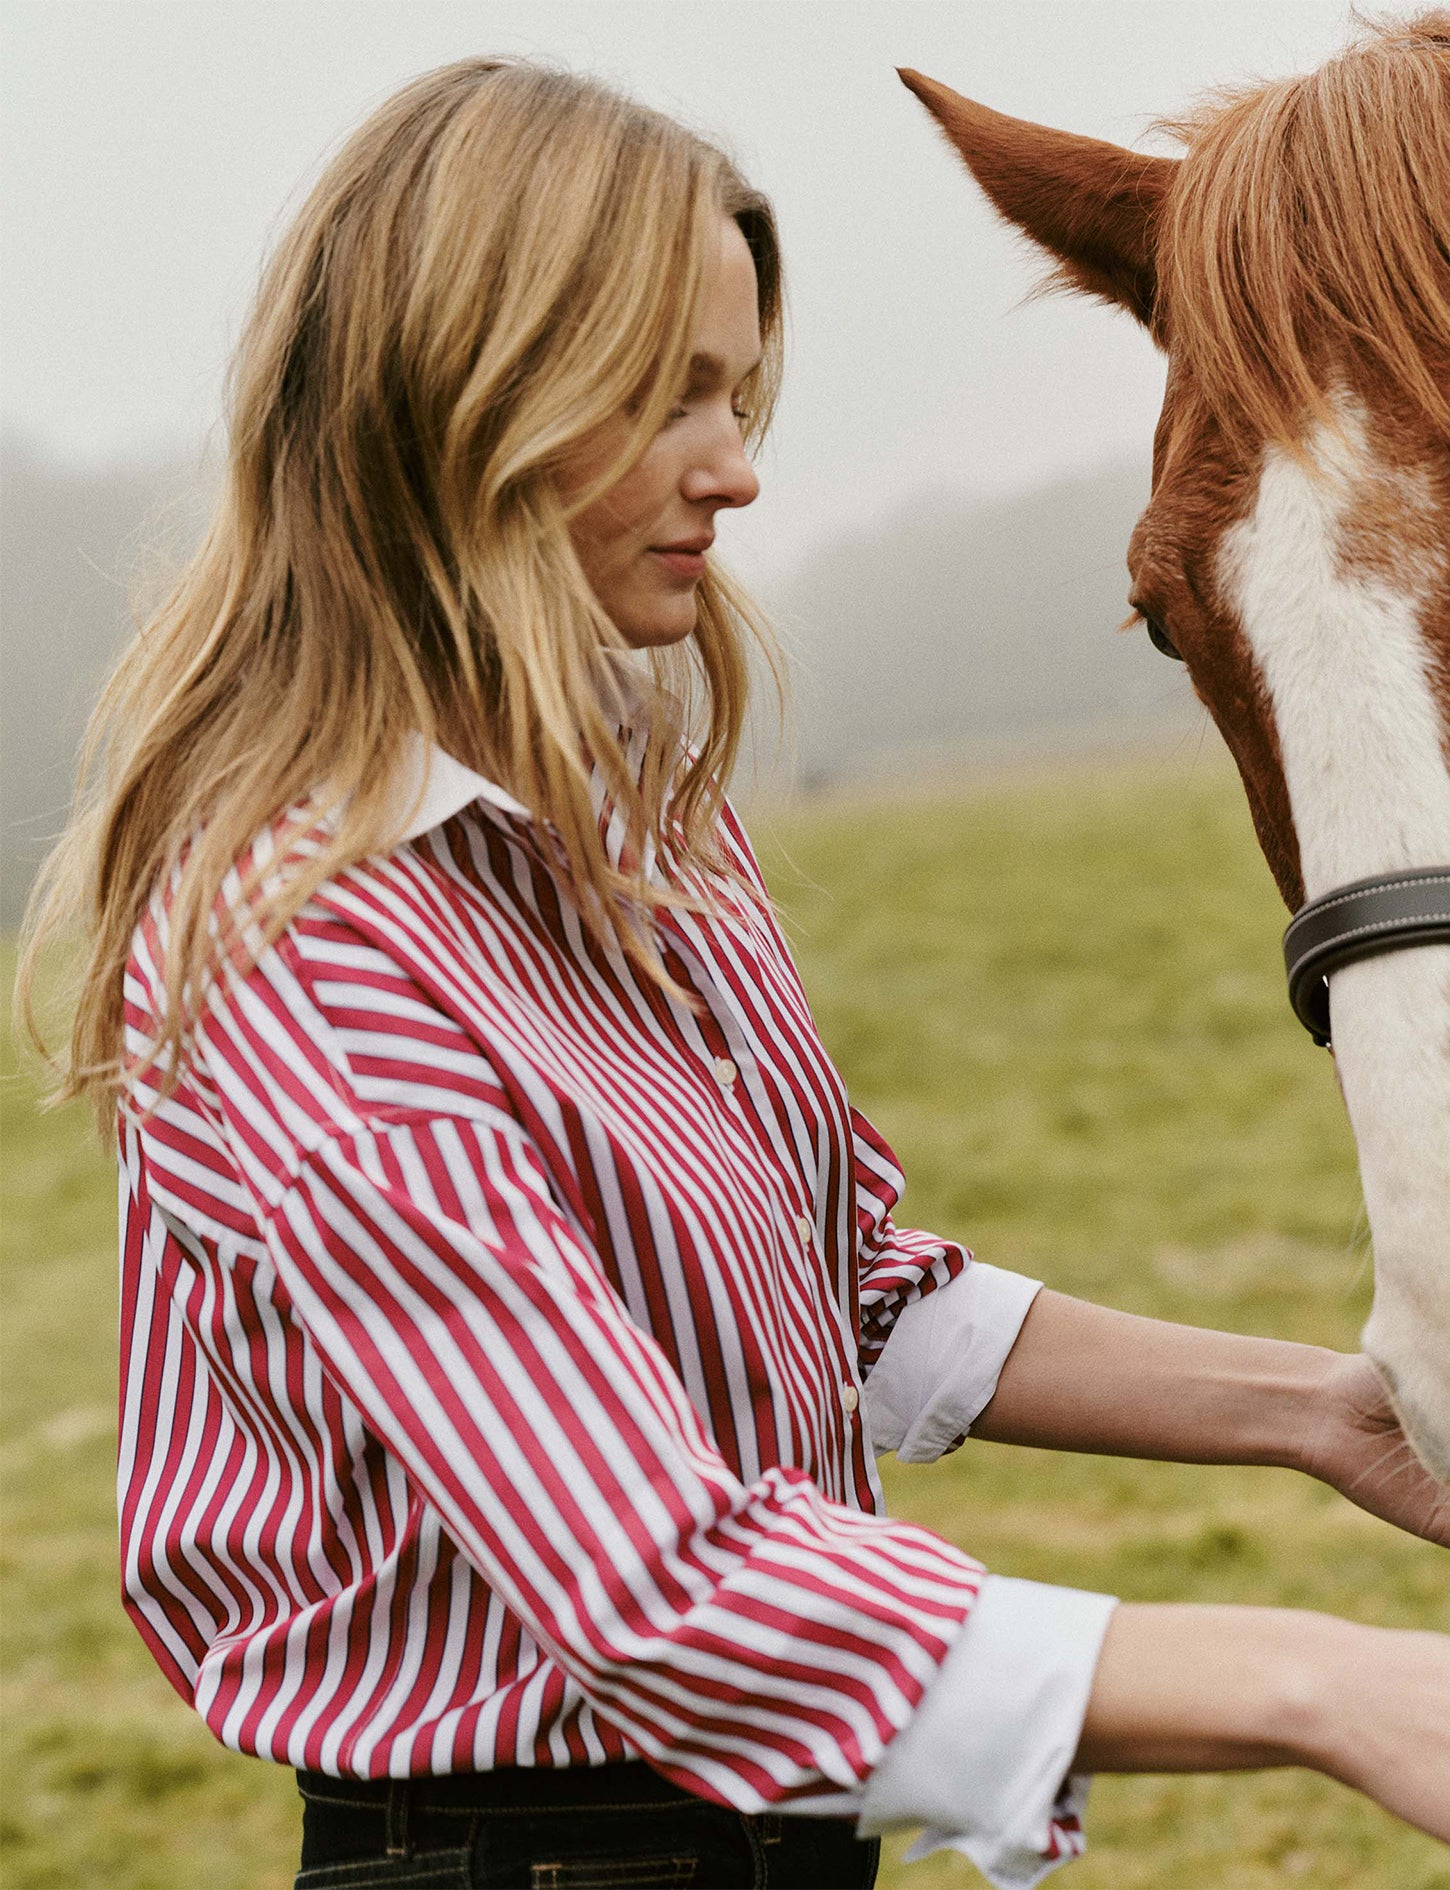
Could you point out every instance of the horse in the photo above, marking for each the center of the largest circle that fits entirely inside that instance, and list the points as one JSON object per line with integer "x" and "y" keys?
{"x": 1293, "y": 265}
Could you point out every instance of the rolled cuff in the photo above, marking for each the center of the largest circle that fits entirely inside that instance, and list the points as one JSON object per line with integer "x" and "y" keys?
{"x": 983, "y": 1762}
{"x": 942, "y": 1361}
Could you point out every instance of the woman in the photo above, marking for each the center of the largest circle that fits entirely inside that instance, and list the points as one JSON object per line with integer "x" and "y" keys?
{"x": 503, "y": 1264}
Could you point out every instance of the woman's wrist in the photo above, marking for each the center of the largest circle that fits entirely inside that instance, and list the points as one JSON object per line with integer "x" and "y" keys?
{"x": 1286, "y": 1416}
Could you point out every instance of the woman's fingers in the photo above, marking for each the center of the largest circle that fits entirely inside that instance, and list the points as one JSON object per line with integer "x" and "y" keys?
{"x": 1354, "y": 1442}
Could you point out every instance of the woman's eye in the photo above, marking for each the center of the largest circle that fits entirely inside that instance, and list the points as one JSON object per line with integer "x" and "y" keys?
{"x": 683, "y": 409}
{"x": 1159, "y": 637}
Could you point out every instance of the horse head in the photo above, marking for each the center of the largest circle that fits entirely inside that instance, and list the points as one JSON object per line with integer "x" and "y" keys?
{"x": 1294, "y": 267}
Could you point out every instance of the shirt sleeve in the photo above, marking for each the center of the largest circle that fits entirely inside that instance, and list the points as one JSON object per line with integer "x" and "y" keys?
{"x": 983, "y": 1764}
{"x": 757, "y": 1643}
{"x": 936, "y": 1324}
{"x": 942, "y": 1360}
{"x": 897, "y": 1265}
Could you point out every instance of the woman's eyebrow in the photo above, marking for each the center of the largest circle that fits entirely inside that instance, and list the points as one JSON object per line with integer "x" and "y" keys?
{"x": 710, "y": 370}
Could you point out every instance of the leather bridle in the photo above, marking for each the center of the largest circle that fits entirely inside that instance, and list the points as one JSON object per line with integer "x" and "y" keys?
{"x": 1388, "y": 913}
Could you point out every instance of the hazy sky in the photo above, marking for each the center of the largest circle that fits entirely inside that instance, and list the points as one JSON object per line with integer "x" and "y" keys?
{"x": 151, "y": 150}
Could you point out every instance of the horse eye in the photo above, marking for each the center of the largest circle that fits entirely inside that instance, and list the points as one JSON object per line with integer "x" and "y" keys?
{"x": 1160, "y": 638}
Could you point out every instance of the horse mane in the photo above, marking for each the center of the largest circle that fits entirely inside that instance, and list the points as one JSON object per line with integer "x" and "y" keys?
{"x": 1307, "y": 235}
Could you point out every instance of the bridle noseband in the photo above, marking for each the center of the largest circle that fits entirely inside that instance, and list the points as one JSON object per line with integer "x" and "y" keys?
{"x": 1388, "y": 913}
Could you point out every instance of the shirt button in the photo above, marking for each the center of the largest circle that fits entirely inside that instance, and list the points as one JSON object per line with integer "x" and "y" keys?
{"x": 805, "y": 1228}
{"x": 850, "y": 1398}
{"x": 725, "y": 1072}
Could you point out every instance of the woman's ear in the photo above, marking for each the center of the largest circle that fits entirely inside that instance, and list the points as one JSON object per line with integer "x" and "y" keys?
{"x": 1092, "y": 206}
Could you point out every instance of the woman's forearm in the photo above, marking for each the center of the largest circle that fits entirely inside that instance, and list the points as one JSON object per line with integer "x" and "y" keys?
{"x": 1085, "y": 1377}
{"x": 1207, "y": 1689}
{"x": 1204, "y": 1689}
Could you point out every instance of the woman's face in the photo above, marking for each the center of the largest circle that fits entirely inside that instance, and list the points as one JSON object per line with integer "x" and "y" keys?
{"x": 643, "y": 544}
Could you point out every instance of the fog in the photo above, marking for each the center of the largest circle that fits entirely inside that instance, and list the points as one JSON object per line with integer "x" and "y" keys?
{"x": 954, "y": 470}
{"x": 949, "y": 630}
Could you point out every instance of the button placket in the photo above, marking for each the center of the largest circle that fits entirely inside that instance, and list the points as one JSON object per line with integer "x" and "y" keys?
{"x": 724, "y": 1069}
{"x": 726, "y": 1073}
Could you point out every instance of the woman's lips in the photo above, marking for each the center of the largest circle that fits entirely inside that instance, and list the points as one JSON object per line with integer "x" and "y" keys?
{"x": 684, "y": 561}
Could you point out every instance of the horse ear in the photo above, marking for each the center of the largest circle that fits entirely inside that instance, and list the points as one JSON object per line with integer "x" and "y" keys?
{"x": 1093, "y": 206}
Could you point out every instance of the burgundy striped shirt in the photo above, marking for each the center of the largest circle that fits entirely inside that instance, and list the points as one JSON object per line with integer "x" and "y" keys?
{"x": 493, "y": 1334}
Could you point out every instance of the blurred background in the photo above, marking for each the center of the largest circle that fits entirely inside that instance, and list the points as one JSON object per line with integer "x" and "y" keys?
{"x": 1012, "y": 855}
{"x": 954, "y": 472}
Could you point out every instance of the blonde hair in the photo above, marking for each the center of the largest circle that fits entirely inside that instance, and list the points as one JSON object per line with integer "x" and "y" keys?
{"x": 1310, "y": 221}
{"x": 498, "y": 264}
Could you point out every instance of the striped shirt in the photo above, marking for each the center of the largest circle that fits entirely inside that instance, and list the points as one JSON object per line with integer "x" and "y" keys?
{"x": 494, "y": 1330}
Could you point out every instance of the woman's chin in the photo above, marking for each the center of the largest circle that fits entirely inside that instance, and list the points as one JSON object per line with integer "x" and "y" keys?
{"x": 653, "y": 627}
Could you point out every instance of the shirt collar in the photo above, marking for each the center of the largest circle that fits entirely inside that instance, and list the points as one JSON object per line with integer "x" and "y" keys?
{"x": 437, "y": 785}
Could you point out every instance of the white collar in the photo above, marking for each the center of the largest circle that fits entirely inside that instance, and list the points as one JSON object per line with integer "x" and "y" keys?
{"x": 437, "y": 785}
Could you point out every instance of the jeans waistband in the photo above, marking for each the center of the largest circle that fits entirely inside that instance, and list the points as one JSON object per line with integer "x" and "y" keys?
{"x": 619, "y": 1783}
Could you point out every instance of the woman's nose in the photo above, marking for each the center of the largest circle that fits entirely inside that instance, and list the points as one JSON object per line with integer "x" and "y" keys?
{"x": 726, "y": 477}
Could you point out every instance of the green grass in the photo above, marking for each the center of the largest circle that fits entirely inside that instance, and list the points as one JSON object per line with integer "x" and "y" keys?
{"x": 1061, "y": 1001}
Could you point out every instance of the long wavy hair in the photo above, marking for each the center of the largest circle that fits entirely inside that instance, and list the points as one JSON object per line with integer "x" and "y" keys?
{"x": 497, "y": 264}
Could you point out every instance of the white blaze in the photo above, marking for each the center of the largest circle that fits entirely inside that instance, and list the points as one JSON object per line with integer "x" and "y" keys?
{"x": 1346, "y": 667}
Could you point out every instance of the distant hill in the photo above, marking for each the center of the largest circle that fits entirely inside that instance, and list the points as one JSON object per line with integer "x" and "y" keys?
{"x": 956, "y": 629}
{"x": 959, "y": 629}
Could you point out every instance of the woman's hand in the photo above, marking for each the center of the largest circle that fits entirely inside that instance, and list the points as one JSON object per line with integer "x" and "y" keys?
{"x": 1354, "y": 1443}
{"x": 1205, "y": 1689}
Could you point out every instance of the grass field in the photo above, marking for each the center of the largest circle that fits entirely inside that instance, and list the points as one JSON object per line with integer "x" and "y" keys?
{"x": 1060, "y": 998}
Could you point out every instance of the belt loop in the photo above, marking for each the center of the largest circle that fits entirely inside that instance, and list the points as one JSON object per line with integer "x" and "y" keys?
{"x": 396, "y": 1817}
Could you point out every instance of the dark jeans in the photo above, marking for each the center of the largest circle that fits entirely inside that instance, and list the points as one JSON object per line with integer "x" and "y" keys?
{"x": 607, "y": 1827}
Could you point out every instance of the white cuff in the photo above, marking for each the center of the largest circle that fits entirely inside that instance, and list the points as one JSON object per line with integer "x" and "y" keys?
{"x": 942, "y": 1360}
{"x": 983, "y": 1761}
